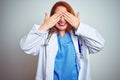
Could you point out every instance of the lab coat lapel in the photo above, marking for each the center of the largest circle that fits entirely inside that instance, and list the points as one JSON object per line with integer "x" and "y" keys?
{"x": 51, "y": 54}
{"x": 75, "y": 42}
{"x": 80, "y": 61}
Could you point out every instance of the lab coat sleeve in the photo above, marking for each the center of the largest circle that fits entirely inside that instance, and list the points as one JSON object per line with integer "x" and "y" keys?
{"x": 32, "y": 42}
{"x": 92, "y": 39}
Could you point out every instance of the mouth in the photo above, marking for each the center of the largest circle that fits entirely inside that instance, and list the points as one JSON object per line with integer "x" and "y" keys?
{"x": 61, "y": 24}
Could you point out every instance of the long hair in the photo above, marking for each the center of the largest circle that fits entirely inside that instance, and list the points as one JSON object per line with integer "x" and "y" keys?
{"x": 69, "y": 9}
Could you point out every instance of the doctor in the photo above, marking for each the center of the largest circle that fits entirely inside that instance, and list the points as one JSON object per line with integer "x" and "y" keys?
{"x": 63, "y": 44}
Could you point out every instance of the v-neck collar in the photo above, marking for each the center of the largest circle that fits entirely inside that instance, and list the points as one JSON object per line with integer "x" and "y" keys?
{"x": 65, "y": 39}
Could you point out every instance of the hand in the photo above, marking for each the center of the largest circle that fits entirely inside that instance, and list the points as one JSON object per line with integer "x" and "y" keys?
{"x": 49, "y": 22}
{"x": 71, "y": 19}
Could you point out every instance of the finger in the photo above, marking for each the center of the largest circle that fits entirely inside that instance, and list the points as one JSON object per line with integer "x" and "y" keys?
{"x": 78, "y": 15}
{"x": 68, "y": 14}
{"x": 56, "y": 15}
{"x": 69, "y": 20}
{"x": 67, "y": 17}
{"x": 46, "y": 16}
{"x": 57, "y": 20}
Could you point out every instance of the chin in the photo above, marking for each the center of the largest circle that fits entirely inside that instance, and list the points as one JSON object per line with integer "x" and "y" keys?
{"x": 63, "y": 28}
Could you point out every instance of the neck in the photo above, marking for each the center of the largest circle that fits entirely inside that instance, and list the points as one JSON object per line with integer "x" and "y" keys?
{"x": 62, "y": 33}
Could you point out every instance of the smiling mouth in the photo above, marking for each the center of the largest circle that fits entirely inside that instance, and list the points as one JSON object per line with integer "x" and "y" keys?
{"x": 62, "y": 23}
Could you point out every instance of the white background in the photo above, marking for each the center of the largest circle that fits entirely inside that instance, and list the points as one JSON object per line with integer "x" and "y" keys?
{"x": 18, "y": 16}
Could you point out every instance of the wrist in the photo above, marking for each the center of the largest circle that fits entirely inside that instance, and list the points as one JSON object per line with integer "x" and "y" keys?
{"x": 43, "y": 27}
{"x": 76, "y": 27}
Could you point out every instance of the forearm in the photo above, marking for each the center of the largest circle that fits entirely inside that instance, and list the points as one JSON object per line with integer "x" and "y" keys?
{"x": 33, "y": 40}
{"x": 93, "y": 40}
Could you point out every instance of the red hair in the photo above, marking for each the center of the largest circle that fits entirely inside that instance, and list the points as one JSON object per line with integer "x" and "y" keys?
{"x": 69, "y": 9}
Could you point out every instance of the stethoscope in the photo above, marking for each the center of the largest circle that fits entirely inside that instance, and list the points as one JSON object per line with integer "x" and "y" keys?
{"x": 45, "y": 49}
{"x": 79, "y": 45}
{"x": 47, "y": 41}
{"x": 49, "y": 36}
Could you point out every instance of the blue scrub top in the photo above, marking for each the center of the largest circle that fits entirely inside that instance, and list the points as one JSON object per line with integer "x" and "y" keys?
{"x": 65, "y": 67}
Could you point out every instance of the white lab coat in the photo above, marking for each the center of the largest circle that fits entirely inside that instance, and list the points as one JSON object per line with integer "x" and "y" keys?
{"x": 33, "y": 43}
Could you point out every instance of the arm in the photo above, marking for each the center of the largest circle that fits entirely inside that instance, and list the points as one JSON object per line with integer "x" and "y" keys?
{"x": 93, "y": 40}
{"x": 31, "y": 42}
{"x": 35, "y": 39}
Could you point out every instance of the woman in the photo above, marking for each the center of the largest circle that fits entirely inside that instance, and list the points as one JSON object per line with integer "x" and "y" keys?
{"x": 63, "y": 44}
